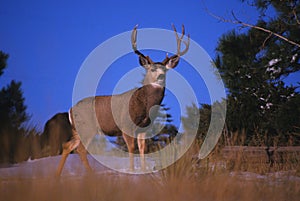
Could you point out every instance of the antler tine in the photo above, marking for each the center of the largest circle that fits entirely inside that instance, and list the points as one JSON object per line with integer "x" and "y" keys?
{"x": 179, "y": 40}
{"x": 187, "y": 45}
{"x": 183, "y": 31}
{"x": 133, "y": 40}
{"x": 134, "y": 45}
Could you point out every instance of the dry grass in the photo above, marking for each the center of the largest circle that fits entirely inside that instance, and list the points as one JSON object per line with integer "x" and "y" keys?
{"x": 184, "y": 180}
{"x": 121, "y": 187}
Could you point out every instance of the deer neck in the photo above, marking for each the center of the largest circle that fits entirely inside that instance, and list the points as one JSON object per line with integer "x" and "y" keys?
{"x": 154, "y": 93}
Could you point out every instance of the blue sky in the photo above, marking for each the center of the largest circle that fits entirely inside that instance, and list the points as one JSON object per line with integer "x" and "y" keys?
{"x": 49, "y": 40}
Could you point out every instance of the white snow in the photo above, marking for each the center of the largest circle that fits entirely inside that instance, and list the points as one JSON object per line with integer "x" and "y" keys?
{"x": 272, "y": 178}
{"x": 294, "y": 57}
{"x": 274, "y": 61}
{"x": 45, "y": 168}
{"x": 273, "y": 70}
{"x": 261, "y": 98}
{"x": 248, "y": 76}
{"x": 268, "y": 105}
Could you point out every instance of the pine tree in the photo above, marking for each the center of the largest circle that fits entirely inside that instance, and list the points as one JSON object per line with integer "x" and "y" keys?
{"x": 254, "y": 65}
{"x": 3, "y": 58}
{"x": 12, "y": 116}
{"x": 13, "y": 110}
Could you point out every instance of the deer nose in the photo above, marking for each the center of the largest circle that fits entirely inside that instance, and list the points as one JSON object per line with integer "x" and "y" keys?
{"x": 161, "y": 77}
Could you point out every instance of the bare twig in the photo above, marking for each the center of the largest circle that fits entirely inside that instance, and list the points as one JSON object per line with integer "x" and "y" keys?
{"x": 244, "y": 24}
{"x": 267, "y": 38}
{"x": 296, "y": 17}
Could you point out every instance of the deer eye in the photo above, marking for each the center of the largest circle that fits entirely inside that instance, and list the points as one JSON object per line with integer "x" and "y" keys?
{"x": 153, "y": 69}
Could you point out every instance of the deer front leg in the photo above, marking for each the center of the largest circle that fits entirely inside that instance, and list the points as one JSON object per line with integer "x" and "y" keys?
{"x": 67, "y": 148}
{"x": 63, "y": 159}
{"x": 130, "y": 145}
{"x": 141, "y": 144}
{"x": 83, "y": 156}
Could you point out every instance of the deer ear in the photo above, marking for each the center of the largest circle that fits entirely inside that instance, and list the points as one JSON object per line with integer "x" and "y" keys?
{"x": 145, "y": 61}
{"x": 173, "y": 62}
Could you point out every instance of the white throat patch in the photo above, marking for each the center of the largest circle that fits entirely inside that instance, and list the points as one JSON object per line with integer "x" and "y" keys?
{"x": 155, "y": 85}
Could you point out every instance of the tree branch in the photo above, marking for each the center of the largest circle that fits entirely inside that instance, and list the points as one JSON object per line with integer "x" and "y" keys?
{"x": 296, "y": 17}
{"x": 237, "y": 21}
{"x": 269, "y": 36}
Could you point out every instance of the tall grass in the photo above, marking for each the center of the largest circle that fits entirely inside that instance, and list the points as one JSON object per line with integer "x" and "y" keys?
{"x": 187, "y": 179}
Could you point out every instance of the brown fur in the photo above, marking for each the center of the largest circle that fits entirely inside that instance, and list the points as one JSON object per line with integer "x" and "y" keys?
{"x": 126, "y": 114}
{"x": 57, "y": 131}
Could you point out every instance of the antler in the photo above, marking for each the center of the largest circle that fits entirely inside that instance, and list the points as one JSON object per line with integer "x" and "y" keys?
{"x": 179, "y": 40}
{"x": 134, "y": 46}
{"x": 133, "y": 41}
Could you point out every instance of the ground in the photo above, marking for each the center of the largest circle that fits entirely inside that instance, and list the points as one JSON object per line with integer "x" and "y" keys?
{"x": 34, "y": 180}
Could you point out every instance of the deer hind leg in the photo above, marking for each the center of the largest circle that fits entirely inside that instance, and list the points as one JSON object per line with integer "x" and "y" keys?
{"x": 141, "y": 144}
{"x": 130, "y": 145}
{"x": 67, "y": 148}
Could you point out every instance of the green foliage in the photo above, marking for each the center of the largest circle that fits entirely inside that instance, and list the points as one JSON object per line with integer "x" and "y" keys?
{"x": 12, "y": 107}
{"x": 14, "y": 138}
{"x": 191, "y": 125}
{"x": 13, "y": 110}
{"x": 3, "y": 58}
{"x": 254, "y": 65}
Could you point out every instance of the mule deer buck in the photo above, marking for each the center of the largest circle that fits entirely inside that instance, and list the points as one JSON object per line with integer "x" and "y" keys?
{"x": 126, "y": 114}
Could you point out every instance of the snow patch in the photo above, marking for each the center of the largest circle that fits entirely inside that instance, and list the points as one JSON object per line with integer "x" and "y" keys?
{"x": 274, "y": 62}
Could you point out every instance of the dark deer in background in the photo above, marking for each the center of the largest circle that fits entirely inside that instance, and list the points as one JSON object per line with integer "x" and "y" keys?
{"x": 126, "y": 114}
{"x": 57, "y": 131}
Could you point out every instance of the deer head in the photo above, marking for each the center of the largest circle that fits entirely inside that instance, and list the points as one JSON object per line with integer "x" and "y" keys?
{"x": 156, "y": 71}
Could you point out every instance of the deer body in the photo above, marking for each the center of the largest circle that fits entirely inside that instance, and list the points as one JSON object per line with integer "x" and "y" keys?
{"x": 109, "y": 109}
{"x": 128, "y": 114}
